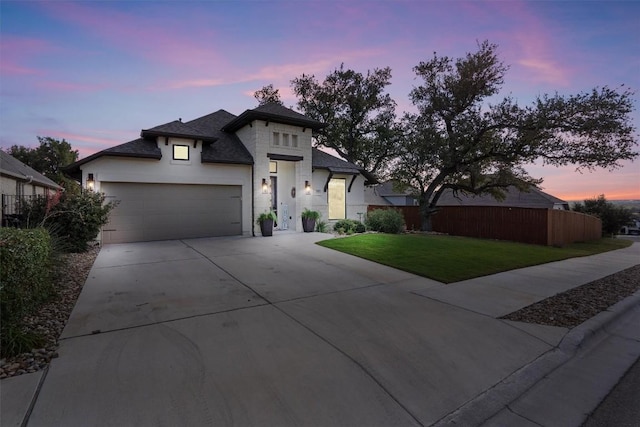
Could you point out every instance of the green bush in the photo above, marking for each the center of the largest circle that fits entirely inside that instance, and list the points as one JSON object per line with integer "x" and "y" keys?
{"x": 348, "y": 226}
{"x": 385, "y": 221}
{"x": 321, "y": 226}
{"x": 76, "y": 218}
{"x": 25, "y": 282}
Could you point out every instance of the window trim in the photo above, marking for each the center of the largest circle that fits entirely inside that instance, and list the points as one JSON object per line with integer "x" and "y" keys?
{"x": 344, "y": 188}
{"x": 173, "y": 152}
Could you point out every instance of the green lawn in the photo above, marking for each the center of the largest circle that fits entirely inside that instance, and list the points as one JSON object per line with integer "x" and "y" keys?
{"x": 450, "y": 259}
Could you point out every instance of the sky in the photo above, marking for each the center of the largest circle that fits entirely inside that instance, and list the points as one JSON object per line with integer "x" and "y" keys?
{"x": 97, "y": 72}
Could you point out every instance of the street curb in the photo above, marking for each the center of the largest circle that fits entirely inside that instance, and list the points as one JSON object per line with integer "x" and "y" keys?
{"x": 588, "y": 334}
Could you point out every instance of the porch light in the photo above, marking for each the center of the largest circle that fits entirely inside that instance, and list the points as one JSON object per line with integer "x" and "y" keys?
{"x": 90, "y": 182}
{"x": 307, "y": 187}
{"x": 265, "y": 186}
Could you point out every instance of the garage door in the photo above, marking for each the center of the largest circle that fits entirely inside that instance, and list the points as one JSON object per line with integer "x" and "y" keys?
{"x": 171, "y": 211}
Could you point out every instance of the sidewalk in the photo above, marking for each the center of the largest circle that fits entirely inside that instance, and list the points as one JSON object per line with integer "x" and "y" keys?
{"x": 328, "y": 339}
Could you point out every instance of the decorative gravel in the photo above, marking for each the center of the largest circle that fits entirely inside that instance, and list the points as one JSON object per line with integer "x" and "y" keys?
{"x": 571, "y": 308}
{"x": 51, "y": 318}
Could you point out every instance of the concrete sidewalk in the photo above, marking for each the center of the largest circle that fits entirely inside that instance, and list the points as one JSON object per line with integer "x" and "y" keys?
{"x": 279, "y": 331}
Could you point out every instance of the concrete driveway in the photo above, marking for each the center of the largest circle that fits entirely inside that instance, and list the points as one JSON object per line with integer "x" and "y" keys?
{"x": 271, "y": 332}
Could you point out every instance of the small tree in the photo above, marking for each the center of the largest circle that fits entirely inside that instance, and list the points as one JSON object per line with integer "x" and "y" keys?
{"x": 267, "y": 95}
{"x": 49, "y": 158}
{"x": 613, "y": 217}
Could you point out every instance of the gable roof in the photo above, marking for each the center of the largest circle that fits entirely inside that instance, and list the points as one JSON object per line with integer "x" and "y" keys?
{"x": 273, "y": 112}
{"x": 14, "y": 168}
{"x": 534, "y": 198}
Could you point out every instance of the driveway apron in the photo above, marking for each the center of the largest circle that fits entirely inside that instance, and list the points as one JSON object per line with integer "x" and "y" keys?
{"x": 268, "y": 331}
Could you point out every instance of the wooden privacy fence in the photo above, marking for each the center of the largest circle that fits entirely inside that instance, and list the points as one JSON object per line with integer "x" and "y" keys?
{"x": 536, "y": 226}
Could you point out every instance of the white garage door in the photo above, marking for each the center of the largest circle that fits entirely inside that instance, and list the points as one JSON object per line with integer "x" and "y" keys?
{"x": 171, "y": 211}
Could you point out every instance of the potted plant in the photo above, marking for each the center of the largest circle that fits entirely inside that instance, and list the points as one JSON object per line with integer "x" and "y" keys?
{"x": 309, "y": 219}
{"x": 266, "y": 221}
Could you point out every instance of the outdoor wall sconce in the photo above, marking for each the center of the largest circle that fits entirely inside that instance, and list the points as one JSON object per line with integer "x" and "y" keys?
{"x": 265, "y": 186}
{"x": 307, "y": 187}
{"x": 90, "y": 182}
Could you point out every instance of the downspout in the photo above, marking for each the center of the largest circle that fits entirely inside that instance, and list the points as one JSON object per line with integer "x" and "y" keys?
{"x": 253, "y": 197}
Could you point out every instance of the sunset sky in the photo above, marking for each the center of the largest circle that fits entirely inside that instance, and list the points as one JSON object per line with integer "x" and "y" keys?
{"x": 97, "y": 72}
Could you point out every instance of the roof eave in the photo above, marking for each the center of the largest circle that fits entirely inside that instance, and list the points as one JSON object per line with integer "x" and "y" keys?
{"x": 251, "y": 115}
{"x": 146, "y": 133}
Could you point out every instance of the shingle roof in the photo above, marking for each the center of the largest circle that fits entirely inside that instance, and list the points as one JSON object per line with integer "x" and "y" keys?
{"x": 273, "y": 112}
{"x": 322, "y": 160}
{"x": 138, "y": 148}
{"x": 10, "y": 166}
{"x": 385, "y": 189}
{"x": 227, "y": 147}
{"x": 177, "y": 129}
{"x": 534, "y": 198}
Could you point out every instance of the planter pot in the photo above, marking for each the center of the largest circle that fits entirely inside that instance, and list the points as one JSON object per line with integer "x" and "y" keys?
{"x": 308, "y": 225}
{"x": 266, "y": 227}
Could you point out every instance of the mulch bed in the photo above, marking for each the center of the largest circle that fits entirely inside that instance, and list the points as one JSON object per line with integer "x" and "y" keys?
{"x": 571, "y": 308}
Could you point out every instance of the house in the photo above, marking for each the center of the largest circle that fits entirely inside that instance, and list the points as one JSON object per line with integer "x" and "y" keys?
{"x": 212, "y": 176}
{"x": 514, "y": 198}
{"x": 386, "y": 194}
{"x": 19, "y": 182}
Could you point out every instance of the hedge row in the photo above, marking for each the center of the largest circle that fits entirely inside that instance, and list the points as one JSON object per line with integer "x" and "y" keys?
{"x": 25, "y": 281}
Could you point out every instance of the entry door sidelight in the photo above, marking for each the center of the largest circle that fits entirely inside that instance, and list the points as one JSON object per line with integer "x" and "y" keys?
{"x": 274, "y": 196}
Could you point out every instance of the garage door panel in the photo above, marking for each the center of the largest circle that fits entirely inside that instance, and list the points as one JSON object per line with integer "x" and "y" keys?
{"x": 172, "y": 211}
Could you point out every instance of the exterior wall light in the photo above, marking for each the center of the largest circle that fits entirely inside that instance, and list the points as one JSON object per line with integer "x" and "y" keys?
{"x": 90, "y": 182}
{"x": 265, "y": 186}
{"x": 307, "y": 187}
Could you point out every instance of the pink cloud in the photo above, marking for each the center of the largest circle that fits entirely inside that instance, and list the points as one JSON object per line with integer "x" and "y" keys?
{"x": 61, "y": 86}
{"x": 17, "y": 52}
{"x": 158, "y": 41}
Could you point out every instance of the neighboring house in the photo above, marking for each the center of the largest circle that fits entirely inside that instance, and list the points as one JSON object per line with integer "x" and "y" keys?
{"x": 19, "y": 182}
{"x": 214, "y": 175}
{"x": 514, "y": 198}
{"x": 385, "y": 194}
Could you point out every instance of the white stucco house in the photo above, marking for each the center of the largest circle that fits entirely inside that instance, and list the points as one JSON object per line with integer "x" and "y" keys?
{"x": 214, "y": 175}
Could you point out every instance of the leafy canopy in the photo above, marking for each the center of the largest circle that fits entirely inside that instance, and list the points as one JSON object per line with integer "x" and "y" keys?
{"x": 267, "y": 95}
{"x": 460, "y": 141}
{"x": 359, "y": 115}
{"x": 49, "y": 158}
{"x": 613, "y": 217}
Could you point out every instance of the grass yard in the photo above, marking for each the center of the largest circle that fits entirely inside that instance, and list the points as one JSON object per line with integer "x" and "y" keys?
{"x": 450, "y": 259}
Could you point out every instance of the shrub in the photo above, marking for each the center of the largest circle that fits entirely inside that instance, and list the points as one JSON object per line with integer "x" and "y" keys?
{"x": 321, "y": 226}
{"x": 309, "y": 214}
{"x": 25, "y": 282}
{"x": 385, "y": 221}
{"x": 76, "y": 217}
{"x": 348, "y": 226}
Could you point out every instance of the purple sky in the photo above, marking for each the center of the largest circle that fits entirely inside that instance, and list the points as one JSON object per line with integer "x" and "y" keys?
{"x": 97, "y": 72}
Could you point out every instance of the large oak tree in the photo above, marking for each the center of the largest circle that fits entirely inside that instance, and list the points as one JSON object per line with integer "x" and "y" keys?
{"x": 460, "y": 141}
{"x": 359, "y": 115}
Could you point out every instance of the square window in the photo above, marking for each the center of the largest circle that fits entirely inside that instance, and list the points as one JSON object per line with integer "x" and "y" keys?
{"x": 294, "y": 141}
{"x": 285, "y": 139}
{"x": 180, "y": 152}
{"x": 273, "y": 167}
{"x": 276, "y": 138}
